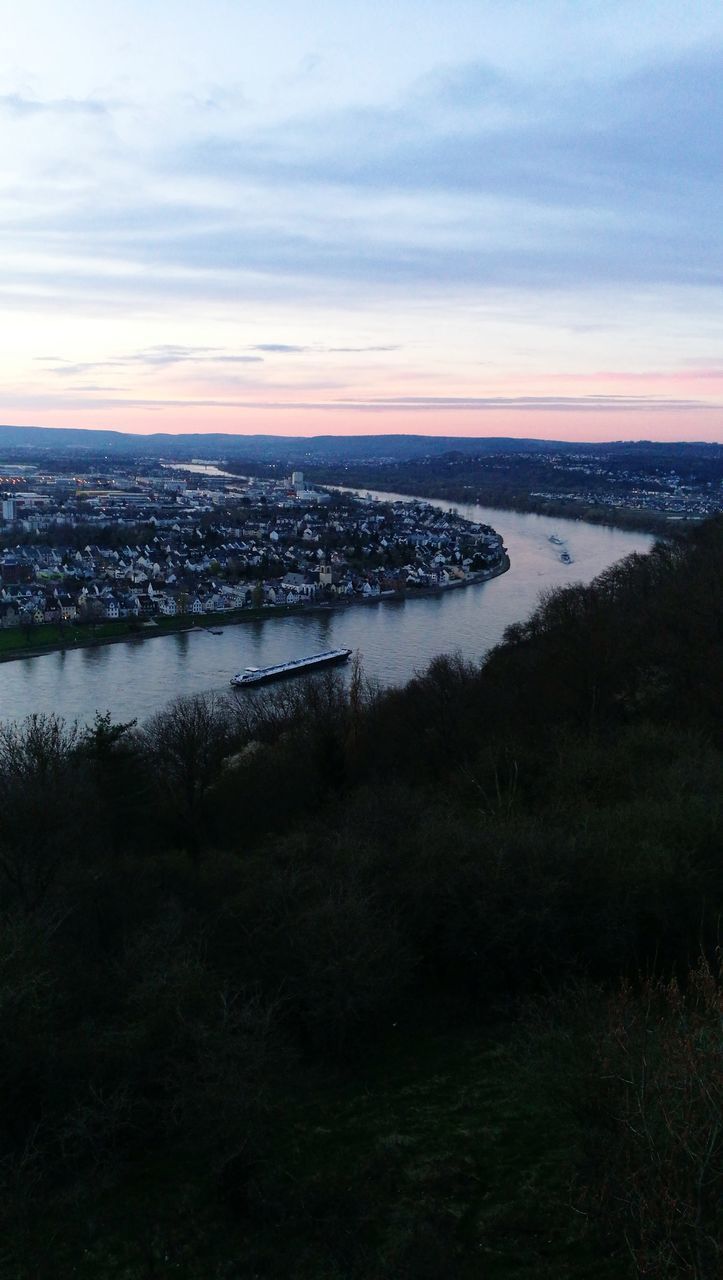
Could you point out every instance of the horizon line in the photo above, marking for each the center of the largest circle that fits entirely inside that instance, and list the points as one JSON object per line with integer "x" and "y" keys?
{"x": 359, "y": 435}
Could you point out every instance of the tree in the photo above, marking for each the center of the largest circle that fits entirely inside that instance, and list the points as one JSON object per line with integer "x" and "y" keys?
{"x": 42, "y": 805}
{"x": 185, "y": 746}
{"x": 101, "y": 739}
{"x": 119, "y": 787}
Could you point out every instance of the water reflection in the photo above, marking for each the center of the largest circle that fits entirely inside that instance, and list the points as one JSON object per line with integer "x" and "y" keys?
{"x": 182, "y": 642}
{"x": 92, "y": 655}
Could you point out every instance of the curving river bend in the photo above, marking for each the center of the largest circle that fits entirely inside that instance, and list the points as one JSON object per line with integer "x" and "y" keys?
{"x": 395, "y": 638}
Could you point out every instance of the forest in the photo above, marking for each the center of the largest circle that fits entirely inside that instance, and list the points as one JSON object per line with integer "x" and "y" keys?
{"x": 340, "y": 983}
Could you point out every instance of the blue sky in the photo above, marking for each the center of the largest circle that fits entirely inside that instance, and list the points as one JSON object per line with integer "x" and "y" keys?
{"x": 468, "y": 218}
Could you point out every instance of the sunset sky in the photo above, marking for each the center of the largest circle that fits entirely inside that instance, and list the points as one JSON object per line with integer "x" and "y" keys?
{"x": 466, "y": 217}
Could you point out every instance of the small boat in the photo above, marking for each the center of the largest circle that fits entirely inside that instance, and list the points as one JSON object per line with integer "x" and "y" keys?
{"x": 298, "y": 666}
{"x": 554, "y": 538}
{"x": 566, "y": 557}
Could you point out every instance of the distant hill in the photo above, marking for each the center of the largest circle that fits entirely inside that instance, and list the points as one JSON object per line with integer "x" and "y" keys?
{"x": 301, "y": 449}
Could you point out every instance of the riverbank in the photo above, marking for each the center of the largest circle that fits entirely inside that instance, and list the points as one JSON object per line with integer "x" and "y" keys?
{"x": 627, "y": 519}
{"x": 16, "y": 643}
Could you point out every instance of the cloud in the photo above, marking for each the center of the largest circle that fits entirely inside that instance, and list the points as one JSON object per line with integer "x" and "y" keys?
{"x": 69, "y": 370}
{"x": 169, "y": 354}
{"x": 446, "y": 404}
{"x": 695, "y": 372}
{"x": 464, "y": 86}
{"x": 481, "y": 403}
{"x": 311, "y": 67}
{"x": 152, "y": 357}
{"x": 394, "y": 346}
{"x": 281, "y": 348}
{"x": 235, "y": 359}
{"x": 580, "y": 150}
{"x": 284, "y": 348}
{"x": 614, "y": 179}
{"x": 15, "y": 104}
{"x": 474, "y": 179}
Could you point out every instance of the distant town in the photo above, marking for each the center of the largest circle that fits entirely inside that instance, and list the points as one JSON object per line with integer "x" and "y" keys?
{"x": 646, "y": 486}
{"x": 159, "y": 541}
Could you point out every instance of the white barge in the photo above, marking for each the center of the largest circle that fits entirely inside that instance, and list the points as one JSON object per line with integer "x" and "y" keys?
{"x": 259, "y": 675}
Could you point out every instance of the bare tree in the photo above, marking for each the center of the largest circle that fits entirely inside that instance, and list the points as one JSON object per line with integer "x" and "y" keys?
{"x": 41, "y": 804}
{"x": 185, "y": 746}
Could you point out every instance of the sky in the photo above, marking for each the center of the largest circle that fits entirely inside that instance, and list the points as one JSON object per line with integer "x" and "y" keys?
{"x": 452, "y": 217}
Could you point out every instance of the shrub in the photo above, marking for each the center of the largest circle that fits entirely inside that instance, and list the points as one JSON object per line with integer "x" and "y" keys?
{"x": 657, "y": 1144}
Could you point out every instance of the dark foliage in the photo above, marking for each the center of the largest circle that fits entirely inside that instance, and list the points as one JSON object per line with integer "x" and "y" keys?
{"x": 200, "y": 914}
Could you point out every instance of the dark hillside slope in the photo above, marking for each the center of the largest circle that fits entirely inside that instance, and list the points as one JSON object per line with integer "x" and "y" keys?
{"x": 264, "y": 963}
{"x": 643, "y": 643}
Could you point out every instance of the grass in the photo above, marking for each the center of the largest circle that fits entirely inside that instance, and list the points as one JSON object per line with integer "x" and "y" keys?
{"x": 446, "y": 1164}
{"x": 441, "y": 1161}
{"x": 18, "y": 642}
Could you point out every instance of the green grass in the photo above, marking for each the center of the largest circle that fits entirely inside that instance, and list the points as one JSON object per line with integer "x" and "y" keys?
{"x": 443, "y": 1161}
{"x": 49, "y": 635}
{"x": 17, "y": 642}
{"x": 446, "y": 1163}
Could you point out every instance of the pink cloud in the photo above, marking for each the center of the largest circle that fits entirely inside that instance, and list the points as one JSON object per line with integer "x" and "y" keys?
{"x": 661, "y": 377}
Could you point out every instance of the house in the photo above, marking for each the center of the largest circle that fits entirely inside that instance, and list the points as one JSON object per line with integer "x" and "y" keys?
{"x": 147, "y": 604}
{"x": 239, "y": 596}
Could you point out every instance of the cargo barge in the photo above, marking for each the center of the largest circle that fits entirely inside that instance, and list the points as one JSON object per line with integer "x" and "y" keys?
{"x": 298, "y": 666}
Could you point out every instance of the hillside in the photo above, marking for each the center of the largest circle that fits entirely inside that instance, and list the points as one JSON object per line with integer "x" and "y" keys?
{"x": 336, "y": 982}
{"x": 339, "y": 449}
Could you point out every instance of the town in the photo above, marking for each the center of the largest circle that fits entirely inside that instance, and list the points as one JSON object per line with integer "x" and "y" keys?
{"x": 649, "y": 486}
{"x": 163, "y": 540}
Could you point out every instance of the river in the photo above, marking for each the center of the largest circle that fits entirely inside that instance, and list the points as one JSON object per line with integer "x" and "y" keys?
{"x": 395, "y": 638}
